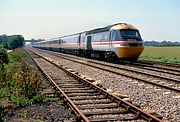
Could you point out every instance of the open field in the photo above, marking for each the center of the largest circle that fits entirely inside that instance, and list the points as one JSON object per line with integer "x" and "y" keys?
{"x": 164, "y": 54}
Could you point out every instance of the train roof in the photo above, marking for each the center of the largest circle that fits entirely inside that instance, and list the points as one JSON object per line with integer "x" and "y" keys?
{"x": 103, "y": 29}
{"x": 40, "y": 42}
{"x": 93, "y": 31}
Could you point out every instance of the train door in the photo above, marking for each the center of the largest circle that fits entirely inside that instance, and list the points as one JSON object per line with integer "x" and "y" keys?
{"x": 111, "y": 47}
{"x": 79, "y": 41}
{"x": 59, "y": 45}
{"x": 82, "y": 41}
{"x": 89, "y": 46}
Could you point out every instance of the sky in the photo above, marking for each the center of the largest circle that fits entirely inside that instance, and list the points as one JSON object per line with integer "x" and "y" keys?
{"x": 156, "y": 19}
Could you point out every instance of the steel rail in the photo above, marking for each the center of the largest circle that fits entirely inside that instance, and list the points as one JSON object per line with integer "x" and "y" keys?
{"x": 150, "y": 67}
{"x": 158, "y": 62}
{"x": 154, "y": 66}
{"x": 127, "y": 105}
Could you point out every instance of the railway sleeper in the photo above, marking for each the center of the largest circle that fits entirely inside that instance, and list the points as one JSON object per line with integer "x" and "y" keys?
{"x": 105, "y": 112}
{"x": 106, "y": 119}
{"x": 68, "y": 84}
{"x": 84, "y": 88}
{"x": 65, "y": 81}
{"x": 96, "y": 106}
{"x": 87, "y": 97}
{"x": 83, "y": 94}
{"x": 66, "y": 87}
{"x": 80, "y": 91}
{"x": 92, "y": 102}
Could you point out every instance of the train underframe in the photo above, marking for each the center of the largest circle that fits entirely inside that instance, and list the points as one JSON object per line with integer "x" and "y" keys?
{"x": 95, "y": 54}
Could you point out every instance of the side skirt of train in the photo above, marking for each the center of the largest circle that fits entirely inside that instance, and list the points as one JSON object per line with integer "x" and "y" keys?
{"x": 96, "y": 54}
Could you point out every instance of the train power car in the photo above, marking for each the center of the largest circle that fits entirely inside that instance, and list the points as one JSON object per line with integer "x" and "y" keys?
{"x": 118, "y": 41}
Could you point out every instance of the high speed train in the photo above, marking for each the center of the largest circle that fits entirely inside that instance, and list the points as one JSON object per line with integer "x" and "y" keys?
{"x": 118, "y": 41}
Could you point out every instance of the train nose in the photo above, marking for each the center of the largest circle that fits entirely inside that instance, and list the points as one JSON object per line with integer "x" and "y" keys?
{"x": 130, "y": 52}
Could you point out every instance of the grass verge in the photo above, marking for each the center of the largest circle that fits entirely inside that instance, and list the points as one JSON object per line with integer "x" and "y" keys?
{"x": 19, "y": 84}
{"x": 163, "y": 54}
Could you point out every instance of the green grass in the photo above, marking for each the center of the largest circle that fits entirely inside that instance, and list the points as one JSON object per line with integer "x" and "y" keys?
{"x": 164, "y": 54}
{"x": 19, "y": 82}
{"x": 17, "y": 56}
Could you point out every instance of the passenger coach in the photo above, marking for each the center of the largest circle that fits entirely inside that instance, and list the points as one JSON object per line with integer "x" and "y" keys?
{"x": 118, "y": 41}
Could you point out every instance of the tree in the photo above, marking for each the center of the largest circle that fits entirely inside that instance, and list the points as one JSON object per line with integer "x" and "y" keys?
{"x": 15, "y": 42}
{"x": 3, "y": 55}
{"x": 3, "y": 60}
{"x": 4, "y": 40}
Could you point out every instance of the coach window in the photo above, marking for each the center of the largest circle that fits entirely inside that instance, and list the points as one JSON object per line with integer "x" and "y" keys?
{"x": 115, "y": 35}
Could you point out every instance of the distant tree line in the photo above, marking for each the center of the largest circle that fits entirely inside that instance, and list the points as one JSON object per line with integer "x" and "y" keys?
{"x": 11, "y": 42}
{"x": 163, "y": 43}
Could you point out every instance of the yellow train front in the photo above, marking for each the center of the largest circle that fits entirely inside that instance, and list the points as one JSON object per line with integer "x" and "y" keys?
{"x": 126, "y": 41}
{"x": 120, "y": 40}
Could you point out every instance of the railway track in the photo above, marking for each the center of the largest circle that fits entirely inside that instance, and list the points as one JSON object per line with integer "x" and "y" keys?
{"x": 89, "y": 102}
{"x": 151, "y": 67}
{"x": 154, "y": 67}
{"x": 165, "y": 68}
{"x": 158, "y": 63}
{"x": 163, "y": 82}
